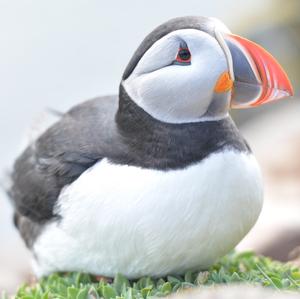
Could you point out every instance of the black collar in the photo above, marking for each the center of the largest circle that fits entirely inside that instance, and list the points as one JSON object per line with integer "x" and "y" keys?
{"x": 156, "y": 144}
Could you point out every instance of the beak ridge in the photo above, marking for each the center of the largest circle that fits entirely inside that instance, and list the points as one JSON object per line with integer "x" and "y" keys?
{"x": 259, "y": 78}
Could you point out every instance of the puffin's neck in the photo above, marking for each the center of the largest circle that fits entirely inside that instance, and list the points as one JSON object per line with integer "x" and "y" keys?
{"x": 157, "y": 144}
{"x": 131, "y": 118}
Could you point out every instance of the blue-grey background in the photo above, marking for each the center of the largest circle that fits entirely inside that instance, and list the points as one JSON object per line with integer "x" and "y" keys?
{"x": 58, "y": 53}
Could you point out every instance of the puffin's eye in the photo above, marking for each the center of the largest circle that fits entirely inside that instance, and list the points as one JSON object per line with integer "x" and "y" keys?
{"x": 184, "y": 56}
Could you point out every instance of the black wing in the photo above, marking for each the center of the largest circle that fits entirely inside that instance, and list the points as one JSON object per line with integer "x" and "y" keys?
{"x": 60, "y": 156}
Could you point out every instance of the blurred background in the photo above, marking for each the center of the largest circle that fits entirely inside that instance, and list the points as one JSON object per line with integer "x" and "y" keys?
{"x": 54, "y": 54}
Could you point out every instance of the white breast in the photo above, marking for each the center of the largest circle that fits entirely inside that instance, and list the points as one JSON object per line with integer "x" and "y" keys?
{"x": 125, "y": 219}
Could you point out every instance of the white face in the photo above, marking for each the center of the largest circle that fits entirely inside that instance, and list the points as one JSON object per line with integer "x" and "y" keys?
{"x": 178, "y": 92}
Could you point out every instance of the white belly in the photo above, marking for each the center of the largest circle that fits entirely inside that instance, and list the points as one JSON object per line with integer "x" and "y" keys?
{"x": 124, "y": 219}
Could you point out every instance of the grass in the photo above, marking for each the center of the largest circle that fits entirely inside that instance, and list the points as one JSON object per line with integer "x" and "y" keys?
{"x": 233, "y": 268}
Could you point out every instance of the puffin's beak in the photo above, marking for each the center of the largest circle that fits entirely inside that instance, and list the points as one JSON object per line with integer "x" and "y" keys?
{"x": 258, "y": 77}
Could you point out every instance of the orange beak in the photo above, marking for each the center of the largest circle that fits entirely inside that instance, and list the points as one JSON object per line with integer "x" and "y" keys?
{"x": 259, "y": 78}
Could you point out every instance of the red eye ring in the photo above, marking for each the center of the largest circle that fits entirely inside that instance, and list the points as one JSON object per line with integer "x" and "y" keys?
{"x": 184, "y": 56}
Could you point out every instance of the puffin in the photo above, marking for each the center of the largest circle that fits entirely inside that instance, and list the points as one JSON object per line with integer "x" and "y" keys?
{"x": 156, "y": 180}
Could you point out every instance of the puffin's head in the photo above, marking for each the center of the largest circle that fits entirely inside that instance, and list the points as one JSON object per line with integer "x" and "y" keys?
{"x": 193, "y": 69}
